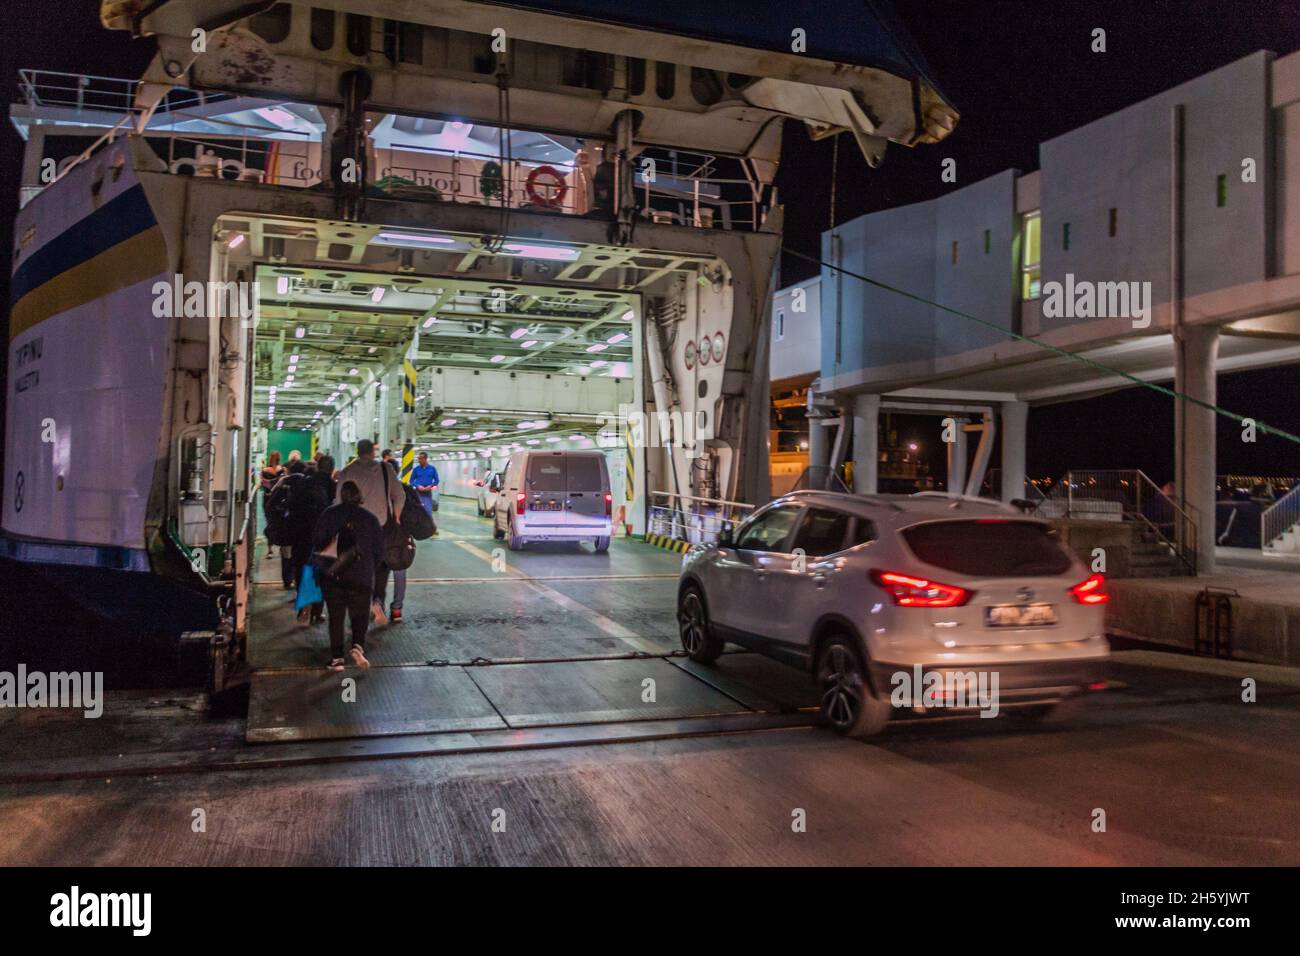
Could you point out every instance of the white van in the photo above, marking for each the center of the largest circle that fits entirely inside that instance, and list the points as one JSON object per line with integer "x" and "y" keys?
{"x": 555, "y": 496}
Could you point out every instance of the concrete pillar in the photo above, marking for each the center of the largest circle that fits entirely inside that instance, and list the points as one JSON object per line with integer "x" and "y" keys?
{"x": 1015, "y": 416}
{"x": 957, "y": 459}
{"x": 866, "y": 443}
{"x": 1196, "y": 355}
{"x": 819, "y": 444}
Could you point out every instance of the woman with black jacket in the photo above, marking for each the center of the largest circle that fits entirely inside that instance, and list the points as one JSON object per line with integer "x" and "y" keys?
{"x": 307, "y": 502}
{"x": 360, "y": 549}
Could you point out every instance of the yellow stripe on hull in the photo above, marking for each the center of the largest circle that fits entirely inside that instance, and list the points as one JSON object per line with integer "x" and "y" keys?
{"x": 135, "y": 260}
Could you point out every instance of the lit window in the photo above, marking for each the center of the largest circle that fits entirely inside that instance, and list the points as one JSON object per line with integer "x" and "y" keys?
{"x": 780, "y": 326}
{"x": 1031, "y": 251}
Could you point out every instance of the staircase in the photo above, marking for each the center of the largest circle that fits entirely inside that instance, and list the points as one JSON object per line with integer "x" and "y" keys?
{"x": 1279, "y": 525}
{"x": 1161, "y": 536}
{"x": 1151, "y": 556}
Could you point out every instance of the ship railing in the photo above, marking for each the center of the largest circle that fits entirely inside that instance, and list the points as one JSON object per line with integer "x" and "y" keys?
{"x": 280, "y": 162}
{"x": 693, "y": 519}
{"x": 84, "y": 93}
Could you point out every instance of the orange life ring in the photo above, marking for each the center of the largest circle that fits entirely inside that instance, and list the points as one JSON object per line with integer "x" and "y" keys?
{"x": 557, "y": 187}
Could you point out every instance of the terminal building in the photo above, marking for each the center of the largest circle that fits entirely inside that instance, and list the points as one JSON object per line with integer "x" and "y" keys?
{"x": 1160, "y": 244}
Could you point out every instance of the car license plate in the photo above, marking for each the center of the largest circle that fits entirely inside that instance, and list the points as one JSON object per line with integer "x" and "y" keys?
{"x": 1020, "y": 615}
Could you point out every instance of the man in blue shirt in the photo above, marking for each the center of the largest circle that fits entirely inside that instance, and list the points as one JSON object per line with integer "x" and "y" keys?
{"x": 424, "y": 479}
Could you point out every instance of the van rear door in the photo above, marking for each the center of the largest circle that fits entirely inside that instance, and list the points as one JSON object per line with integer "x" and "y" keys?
{"x": 588, "y": 483}
{"x": 546, "y": 486}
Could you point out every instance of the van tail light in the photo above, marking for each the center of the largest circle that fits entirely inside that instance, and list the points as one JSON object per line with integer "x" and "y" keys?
{"x": 1090, "y": 591}
{"x": 609, "y": 504}
{"x": 521, "y": 502}
{"x": 908, "y": 591}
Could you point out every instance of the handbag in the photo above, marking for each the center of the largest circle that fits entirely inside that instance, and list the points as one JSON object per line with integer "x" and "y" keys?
{"x": 399, "y": 547}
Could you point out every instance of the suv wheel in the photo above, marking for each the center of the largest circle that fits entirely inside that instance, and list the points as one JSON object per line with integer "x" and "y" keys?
{"x": 847, "y": 703}
{"x": 698, "y": 640}
{"x": 497, "y": 533}
{"x": 602, "y": 544}
{"x": 516, "y": 542}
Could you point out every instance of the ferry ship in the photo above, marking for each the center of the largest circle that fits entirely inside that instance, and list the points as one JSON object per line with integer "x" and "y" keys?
{"x": 451, "y": 225}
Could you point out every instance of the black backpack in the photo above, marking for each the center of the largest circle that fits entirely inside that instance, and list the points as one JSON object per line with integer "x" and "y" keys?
{"x": 279, "y": 529}
{"x": 415, "y": 521}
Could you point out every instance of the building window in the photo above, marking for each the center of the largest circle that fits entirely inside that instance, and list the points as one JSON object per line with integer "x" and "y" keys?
{"x": 988, "y": 241}
{"x": 1221, "y": 192}
{"x": 1065, "y": 235}
{"x": 954, "y": 252}
{"x": 1031, "y": 255}
{"x": 1114, "y": 221}
{"x": 780, "y": 325}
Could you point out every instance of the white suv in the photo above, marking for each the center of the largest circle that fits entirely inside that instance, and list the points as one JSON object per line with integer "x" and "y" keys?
{"x": 902, "y": 602}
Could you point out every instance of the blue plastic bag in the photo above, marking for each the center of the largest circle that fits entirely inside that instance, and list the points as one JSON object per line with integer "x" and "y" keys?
{"x": 309, "y": 591}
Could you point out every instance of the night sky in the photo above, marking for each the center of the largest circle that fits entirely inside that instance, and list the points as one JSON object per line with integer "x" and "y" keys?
{"x": 1019, "y": 72}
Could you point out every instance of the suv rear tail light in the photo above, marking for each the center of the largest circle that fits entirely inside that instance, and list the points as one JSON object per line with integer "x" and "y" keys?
{"x": 1090, "y": 591}
{"x": 908, "y": 591}
{"x": 609, "y": 504}
{"x": 521, "y": 502}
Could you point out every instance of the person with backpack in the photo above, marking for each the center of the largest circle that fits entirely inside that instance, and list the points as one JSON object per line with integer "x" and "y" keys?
{"x": 308, "y": 500}
{"x": 279, "y": 522}
{"x": 349, "y": 545}
{"x": 384, "y": 498}
{"x": 271, "y": 473}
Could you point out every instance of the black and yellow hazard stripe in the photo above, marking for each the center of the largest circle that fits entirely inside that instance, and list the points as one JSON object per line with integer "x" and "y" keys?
{"x": 408, "y": 408}
{"x": 670, "y": 544}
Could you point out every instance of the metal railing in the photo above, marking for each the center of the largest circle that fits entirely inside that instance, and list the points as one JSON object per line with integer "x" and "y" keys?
{"x": 697, "y": 520}
{"x": 1128, "y": 496}
{"x": 84, "y": 93}
{"x": 1279, "y": 518}
{"x": 992, "y": 487}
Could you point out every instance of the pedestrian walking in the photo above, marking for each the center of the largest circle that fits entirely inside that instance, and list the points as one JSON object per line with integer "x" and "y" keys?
{"x": 381, "y": 496}
{"x": 349, "y": 547}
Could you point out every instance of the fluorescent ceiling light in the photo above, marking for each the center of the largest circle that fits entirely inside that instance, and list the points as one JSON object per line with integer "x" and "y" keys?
{"x": 282, "y": 285}
{"x": 352, "y": 371}
{"x": 627, "y": 316}
{"x": 427, "y": 322}
{"x": 236, "y": 241}
{"x": 616, "y": 338}
{"x": 533, "y": 251}
{"x": 498, "y": 358}
{"x": 599, "y": 363}
{"x": 448, "y": 422}
{"x": 529, "y": 344}
{"x": 519, "y": 333}
{"x": 410, "y": 240}
{"x": 300, "y": 332}
{"x": 378, "y": 293}
{"x": 598, "y": 347}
